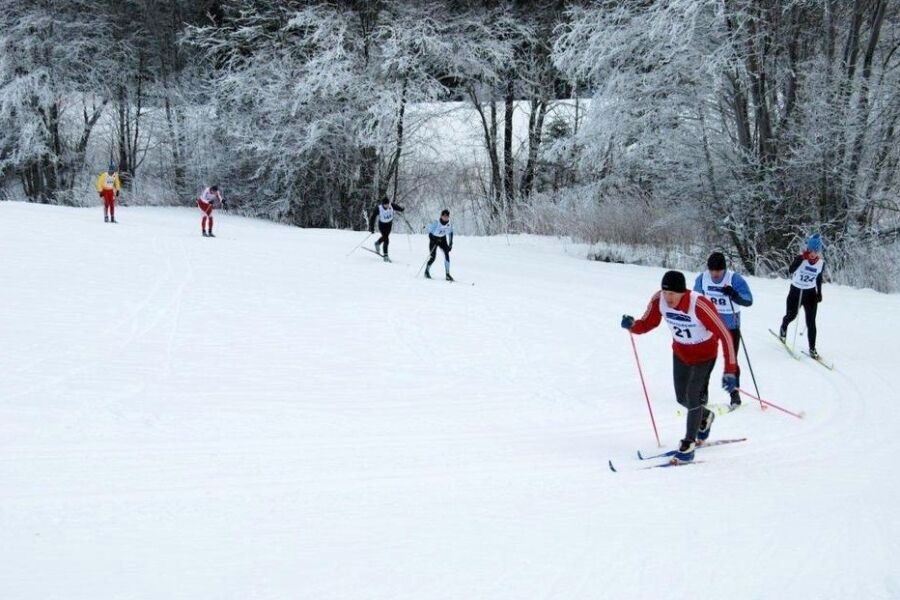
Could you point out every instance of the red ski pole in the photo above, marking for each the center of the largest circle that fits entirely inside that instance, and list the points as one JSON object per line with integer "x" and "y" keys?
{"x": 644, "y": 385}
{"x": 799, "y": 415}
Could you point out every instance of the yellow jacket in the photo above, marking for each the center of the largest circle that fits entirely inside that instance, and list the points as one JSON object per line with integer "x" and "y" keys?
{"x": 108, "y": 182}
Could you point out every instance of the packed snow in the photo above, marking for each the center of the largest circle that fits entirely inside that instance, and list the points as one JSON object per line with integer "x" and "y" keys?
{"x": 267, "y": 415}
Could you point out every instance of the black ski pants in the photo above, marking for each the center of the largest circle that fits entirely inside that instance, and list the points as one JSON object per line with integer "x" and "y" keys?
{"x": 691, "y": 382}
{"x": 385, "y": 230}
{"x": 810, "y": 302}
{"x": 435, "y": 242}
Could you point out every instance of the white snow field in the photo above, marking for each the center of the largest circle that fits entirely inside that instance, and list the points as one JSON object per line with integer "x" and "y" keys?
{"x": 262, "y": 416}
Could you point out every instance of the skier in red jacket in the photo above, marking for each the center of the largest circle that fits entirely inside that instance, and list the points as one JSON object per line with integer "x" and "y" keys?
{"x": 697, "y": 330}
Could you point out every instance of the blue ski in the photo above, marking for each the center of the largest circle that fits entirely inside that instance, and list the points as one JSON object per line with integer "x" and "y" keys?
{"x": 664, "y": 465}
{"x": 701, "y": 446}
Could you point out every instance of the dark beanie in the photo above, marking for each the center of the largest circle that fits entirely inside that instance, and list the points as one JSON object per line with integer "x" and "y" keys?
{"x": 716, "y": 262}
{"x": 673, "y": 281}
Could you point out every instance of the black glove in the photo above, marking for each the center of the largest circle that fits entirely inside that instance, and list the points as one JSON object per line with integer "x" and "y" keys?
{"x": 730, "y": 292}
{"x": 818, "y": 297}
{"x": 627, "y": 322}
{"x": 100, "y": 194}
{"x": 224, "y": 206}
{"x": 117, "y": 193}
{"x": 371, "y": 230}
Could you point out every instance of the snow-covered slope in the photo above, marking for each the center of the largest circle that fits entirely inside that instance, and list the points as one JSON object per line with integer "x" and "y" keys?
{"x": 263, "y": 416}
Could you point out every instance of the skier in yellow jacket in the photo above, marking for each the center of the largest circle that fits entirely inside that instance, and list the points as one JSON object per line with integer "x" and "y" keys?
{"x": 108, "y": 186}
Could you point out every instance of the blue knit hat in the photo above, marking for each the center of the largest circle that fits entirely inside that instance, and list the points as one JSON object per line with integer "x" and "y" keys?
{"x": 814, "y": 243}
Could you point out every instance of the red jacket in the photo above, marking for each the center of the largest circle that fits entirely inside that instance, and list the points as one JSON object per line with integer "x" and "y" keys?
{"x": 692, "y": 354}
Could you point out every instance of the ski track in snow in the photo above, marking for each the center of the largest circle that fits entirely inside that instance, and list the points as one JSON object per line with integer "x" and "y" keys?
{"x": 261, "y": 416}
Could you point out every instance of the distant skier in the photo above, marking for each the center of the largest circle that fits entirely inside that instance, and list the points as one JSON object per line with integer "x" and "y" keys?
{"x": 205, "y": 203}
{"x": 108, "y": 186}
{"x": 728, "y": 292}
{"x": 696, "y": 331}
{"x": 440, "y": 235}
{"x": 384, "y": 214}
{"x": 806, "y": 289}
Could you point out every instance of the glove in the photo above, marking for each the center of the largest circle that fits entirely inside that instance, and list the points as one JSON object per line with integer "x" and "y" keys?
{"x": 371, "y": 230}
{"x": 730, "y": 292}
{"x": 818, "y": 297}
{"x": 224, "y": 206}
{"x": 100, "y": 194}
{"x": 117, "y": 193}
{"x": 627, "y": 322}
{"x": 729, "y": 382}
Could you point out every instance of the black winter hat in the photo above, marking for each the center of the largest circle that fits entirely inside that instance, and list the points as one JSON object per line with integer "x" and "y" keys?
{"x": 673, "y": 281}
{"x": 716, "y": 262}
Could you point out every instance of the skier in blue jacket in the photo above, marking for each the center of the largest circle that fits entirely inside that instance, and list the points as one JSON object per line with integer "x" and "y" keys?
{"x": 728, "y": 291}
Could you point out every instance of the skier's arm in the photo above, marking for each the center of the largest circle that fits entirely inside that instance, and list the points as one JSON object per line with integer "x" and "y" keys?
{"x": 450, "y": 237}
{"x": 709, "y": 316}
{"x": 398, "y": 208}
{"x": 743, "y": 296}
{"x": 698, "y": 283}
{"x": 117, "y": 183}
{"x": 795, "y": 265}
{"x": 372, "y": 218}
{"x": 819, "y": 278}
{"x": 100, "y": 180}
{"x": 650, "y": 319}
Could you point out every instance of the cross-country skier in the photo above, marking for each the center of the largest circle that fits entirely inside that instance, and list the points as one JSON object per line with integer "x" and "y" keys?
{"x": 696, "y": 331}
{"x": 440, "y": 235}
{"x": 806, "y": 289}
{"x": 108, "y": 186}
{"x": 384, "y": 214}
{"x": 728, "y": 292}
{"x": 205, "y": 203}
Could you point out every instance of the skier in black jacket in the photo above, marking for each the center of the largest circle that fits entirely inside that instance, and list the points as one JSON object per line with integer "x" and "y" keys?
{"x": 384, "y": 214}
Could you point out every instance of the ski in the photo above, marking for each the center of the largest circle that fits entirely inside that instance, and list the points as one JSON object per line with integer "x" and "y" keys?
{"x": 663, "y": 465}
{"x": 372, "y": 251}
{"x": 820, "y": 360}
{"x": 699, "y": 446}
{"x": 784, "y": 345}
{"x": 718, "y": 408}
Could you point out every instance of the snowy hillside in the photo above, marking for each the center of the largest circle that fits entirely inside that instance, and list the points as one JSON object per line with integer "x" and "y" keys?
{"x": 263, "y": 416}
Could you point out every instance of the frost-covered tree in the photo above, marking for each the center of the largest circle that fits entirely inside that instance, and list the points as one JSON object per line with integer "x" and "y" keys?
{"x": 771, "y": 117}
{"x": 52, "y": 71}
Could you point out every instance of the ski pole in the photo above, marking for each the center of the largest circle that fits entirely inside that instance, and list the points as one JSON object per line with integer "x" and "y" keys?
{"x": 799, "y": 415}
{"x": 425, "y": 262}
{"x": 747, "y": 356}
{"x": 644, "y": 385}
{"x": 356, "y": 247}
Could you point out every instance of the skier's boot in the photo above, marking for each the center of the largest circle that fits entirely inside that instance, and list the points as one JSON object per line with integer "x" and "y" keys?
{"x": 105, "y": 218}
{"x": 735, "y": 400}
{"x": 205, "y": 234}
{"x": 813, "y": 353}
{"x": 705, "y": 427}
{"x": 387, "y": 258}
{"x": 427, "y": 274}
{"x": 450, "y": 278}
{"x": 210, "y": 234}
{"x": 377, "y": 247}
{"x": 685, "y": 452}
{"x": 782, "y": 333}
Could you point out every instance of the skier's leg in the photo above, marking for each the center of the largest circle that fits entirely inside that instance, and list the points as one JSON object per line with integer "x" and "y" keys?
{"x": 697, "y": 380}
{"x": 810, "y": 308}
{"x": 792, "y": 305}
{"x": 736, "y": 340}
